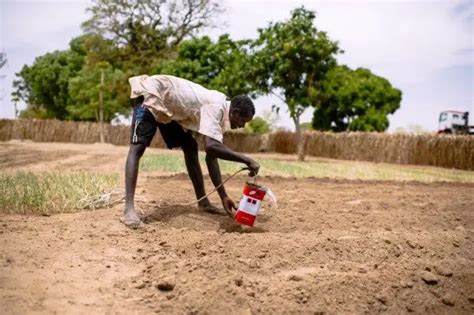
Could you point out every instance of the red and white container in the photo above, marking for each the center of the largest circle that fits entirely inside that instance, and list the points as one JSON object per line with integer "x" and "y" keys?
{"x": 250, "y": 204}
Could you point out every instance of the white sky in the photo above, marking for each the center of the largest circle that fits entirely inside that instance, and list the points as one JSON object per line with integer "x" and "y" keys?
{"x": 424, "y": 48}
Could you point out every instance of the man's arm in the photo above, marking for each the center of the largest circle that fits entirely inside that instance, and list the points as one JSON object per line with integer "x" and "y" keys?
{"x": 216, "y": 150}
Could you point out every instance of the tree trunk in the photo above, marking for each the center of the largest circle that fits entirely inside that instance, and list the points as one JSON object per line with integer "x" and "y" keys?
{"x": 299, "y": 139}
{"x": 101, "y": 107}
{"x": 16, "y": 109}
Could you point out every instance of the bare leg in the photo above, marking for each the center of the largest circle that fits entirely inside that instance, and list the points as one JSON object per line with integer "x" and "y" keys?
{"x": 191, "y": 158}
{"x": 131, "y": 174}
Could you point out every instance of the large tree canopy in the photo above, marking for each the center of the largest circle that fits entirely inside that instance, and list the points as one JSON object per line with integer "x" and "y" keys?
{"x": 355, "y": 100}
{"x": 148, "y": 30}
{"x": 44, "y": 85}
{"x": 223, "y": 65}
{"x": 293, "y": 57}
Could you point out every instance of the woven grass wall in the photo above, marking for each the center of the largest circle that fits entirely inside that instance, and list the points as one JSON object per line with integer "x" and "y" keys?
{"x": 425, "y": 149}
{"x": 65, "y": 131}
{"x": 445, "y": 151}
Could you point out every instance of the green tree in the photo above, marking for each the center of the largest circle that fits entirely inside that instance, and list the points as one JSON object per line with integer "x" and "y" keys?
{"x": 149, "y": 30}
{"x": 86, "y": 89}
{"x": 257, "y": 125}
{"x": 47, "y": 81}
{"x": 44, "y": 84}
{"x": 355, "y": 100}
{"x": 223, "y": 65}
{"x": 292, "y": 58}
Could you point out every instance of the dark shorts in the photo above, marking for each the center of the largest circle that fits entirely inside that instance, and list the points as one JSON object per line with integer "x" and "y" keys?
{"x": 144, "y": 127}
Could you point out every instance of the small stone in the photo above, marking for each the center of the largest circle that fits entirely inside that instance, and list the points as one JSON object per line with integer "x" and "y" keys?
{"x": 238, "y": 282}
{"x": 382, "y": 298}
{"x": 444, "y": 271}
{"x": 107, "y": 266}
{"x": 455, "y": 243}
{"x": 411, "y": 244}
{"x": 139, "y": 250}
{"x": 406, "y": 284}
{"x": 387, "y": 241}
{"x": 460, "y": 228}
{"x": 448, "y": 300}
{"x": 165, "y": 285}
{"x": 397, "y": 251}
{"x": 429, "y": 278}
{"x": 295, "y": 278}
{"x": 141, "y": 285}
{"x": 170, "y": 296}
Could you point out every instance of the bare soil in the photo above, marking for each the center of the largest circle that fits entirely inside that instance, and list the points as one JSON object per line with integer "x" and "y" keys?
{"x": 332, "y": 246}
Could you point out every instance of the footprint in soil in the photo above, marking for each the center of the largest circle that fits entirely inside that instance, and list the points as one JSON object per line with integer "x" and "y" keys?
{"x": 167, "y": 213}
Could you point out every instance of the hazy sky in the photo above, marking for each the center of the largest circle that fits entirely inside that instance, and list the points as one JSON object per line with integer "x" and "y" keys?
{"x": 424, "y": 48}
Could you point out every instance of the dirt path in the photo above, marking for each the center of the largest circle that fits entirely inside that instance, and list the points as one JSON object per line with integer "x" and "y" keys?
{"x": 332, "y": 246}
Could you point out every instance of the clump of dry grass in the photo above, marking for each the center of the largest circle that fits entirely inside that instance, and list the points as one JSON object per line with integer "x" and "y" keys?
{"x": 51, "y": 192}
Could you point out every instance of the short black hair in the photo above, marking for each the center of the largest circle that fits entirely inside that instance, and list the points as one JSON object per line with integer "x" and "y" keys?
{"x": 138, "y": 101}
{"x": 244, "y": 104}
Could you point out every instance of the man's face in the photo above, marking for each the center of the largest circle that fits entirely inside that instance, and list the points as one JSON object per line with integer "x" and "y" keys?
{"x": 237, "y": 120}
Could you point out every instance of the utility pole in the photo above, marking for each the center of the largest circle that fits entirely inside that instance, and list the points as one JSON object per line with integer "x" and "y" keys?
{"x": 101, "y": 107}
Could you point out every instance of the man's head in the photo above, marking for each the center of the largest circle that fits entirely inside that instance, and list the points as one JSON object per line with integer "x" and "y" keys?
{"x": 241, "y": 111}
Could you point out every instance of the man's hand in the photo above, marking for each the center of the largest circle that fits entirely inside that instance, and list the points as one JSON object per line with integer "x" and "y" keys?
{"x": 253, "y": 168}
{"x": 228, "y": 205}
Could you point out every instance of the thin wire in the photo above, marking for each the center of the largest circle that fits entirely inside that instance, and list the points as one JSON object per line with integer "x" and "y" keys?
{"x": 207, "y": 195}
{"x": 105, "y": 199}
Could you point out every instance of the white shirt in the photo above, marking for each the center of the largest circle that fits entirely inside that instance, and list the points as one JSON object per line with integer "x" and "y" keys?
{"x": 191, "y": 105}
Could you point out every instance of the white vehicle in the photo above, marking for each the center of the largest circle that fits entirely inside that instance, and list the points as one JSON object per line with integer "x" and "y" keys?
{"x": 455, "y": 122}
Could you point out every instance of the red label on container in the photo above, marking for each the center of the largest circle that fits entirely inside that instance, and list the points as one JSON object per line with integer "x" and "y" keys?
{"x": 254, "y": 192}
{"x": 244, "y": 218}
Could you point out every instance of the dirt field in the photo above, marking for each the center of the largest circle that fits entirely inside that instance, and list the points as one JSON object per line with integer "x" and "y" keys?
{"x": 332, "y": 246}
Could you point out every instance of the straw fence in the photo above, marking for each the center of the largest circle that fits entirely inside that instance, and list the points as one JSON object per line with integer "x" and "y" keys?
{"x": 425, "y": 149}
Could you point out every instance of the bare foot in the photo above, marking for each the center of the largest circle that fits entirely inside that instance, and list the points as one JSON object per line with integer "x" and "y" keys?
{"x": 131, "y": 220}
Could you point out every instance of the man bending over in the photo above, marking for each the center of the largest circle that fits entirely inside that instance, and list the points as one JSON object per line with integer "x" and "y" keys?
{"x": 178, "y": 107}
